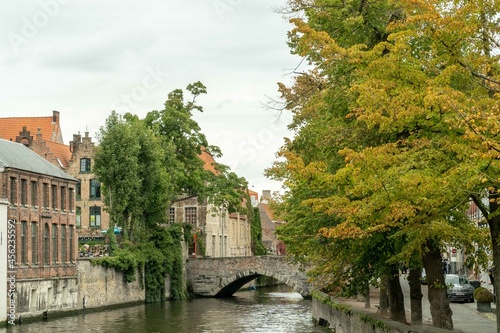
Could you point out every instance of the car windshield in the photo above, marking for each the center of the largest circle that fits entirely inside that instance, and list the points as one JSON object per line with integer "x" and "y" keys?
{"x": 455, "y": 279}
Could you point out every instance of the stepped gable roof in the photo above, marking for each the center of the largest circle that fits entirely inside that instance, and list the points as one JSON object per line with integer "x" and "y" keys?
{"x": 10, "y": 127}
{"x": 18, "y": 156}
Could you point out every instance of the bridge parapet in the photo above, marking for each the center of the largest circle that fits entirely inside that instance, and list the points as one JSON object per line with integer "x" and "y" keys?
{"x": 222, "y": 277}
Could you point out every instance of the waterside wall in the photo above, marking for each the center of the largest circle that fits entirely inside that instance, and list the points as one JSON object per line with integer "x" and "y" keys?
{"x": 93, "y": 287}
{"x": 338, "y": 317}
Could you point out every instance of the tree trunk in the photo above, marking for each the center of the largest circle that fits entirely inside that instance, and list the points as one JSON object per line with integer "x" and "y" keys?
{"x": 367, "y": 295}
{"x": 494, "y": 224}
{"x": 415, "y": 295}
{"x": 439, "y": 304}
{"x": 396, "y": 298}
{"x": 383, "y": 298}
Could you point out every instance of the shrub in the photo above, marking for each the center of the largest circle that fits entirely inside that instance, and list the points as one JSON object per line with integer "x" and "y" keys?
{"x": 483, "y": 295}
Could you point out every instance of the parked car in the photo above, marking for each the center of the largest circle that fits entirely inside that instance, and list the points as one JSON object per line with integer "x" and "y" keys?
{"x": 459, "y": 288}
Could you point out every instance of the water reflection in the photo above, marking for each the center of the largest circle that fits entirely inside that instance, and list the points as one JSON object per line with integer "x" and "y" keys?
{"x": 265, "y": 310}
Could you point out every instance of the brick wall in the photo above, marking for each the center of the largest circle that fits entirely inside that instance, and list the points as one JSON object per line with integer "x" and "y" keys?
{"x": 32, "y": 219}
{"x": 84, "y": 148}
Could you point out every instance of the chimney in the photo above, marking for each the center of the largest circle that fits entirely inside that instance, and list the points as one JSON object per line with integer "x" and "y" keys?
{"x": 55, "y": 117}
{"x": 266, "y": 194}
{"x": 39, "y": 134}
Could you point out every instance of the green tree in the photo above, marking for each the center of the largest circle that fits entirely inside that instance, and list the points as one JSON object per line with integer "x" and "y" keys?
{"x": 129, "y": 161}
{"x": 182, "y": 137}
{"x": 385, "y": 110}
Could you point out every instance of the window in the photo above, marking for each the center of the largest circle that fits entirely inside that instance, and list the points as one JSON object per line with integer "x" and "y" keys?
{"x": 24, "y": 192}
{"x": 34, "y": 194}
{"x": 54, "y": 197}
{"x": 54, "y": 243}
{"x": 71, "y": 245}
{"x": 24, "y": 245}
{"x": 63, "y": 244}
{"x": 190, "y": 215}
{"x": 13, "y": 191}
{"x": 78, "y": 217}
{"x": 171, "y": 216}
{"x": 71, "y": 201}
{"x": 95, "y": 189}
{"x": 95, "y": 217}
{"x": 46, "y": 245}
{"x": 63, "y": 198}
{"x": 34, "y": 247}
{"x": 85, "y": 165}
{"x": 45, "y": 195}
{"x": 79, "y": 191}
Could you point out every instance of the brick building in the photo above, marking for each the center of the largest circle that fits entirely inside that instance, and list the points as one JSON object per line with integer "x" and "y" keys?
{"x": 90, "y": 215}
{"x": 269, "y": 224}
{"x": 42, "y": 202}
{"x": 43, "y": 135}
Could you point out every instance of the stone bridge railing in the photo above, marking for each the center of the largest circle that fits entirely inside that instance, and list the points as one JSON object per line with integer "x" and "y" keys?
{"x": 222, "y": 277}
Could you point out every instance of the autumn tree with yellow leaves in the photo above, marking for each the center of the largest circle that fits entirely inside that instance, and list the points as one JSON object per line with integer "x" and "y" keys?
{"x": 396, "y": 130}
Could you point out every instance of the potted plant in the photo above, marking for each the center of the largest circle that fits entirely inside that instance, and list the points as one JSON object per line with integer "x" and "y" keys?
{"x": 483, "y": 297}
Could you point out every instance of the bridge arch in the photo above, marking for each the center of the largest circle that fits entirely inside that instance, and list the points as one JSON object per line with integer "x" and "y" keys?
{"x": 222, "y": 277}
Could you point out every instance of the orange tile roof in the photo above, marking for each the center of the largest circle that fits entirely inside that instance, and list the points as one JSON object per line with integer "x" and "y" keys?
{"x": 10, "y": 127}
{"x": 208, "y": 160}
{"x": 61, "y": 152}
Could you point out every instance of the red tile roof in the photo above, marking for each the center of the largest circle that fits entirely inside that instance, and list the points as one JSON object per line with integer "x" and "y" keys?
{"x": 208, "y": 160}
{"x": 10, "y": 127}
{"x": 49, "y": 128}
{"x": 61, "y": 152}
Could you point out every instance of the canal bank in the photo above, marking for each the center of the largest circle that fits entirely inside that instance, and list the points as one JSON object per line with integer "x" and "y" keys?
{"x": 93, "y": 288}
{"x": 338, "y": 314}
{"x": 271, "y": 310}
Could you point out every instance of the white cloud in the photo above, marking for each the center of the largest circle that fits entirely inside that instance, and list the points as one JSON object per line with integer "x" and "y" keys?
{"x": 87, "y": 55}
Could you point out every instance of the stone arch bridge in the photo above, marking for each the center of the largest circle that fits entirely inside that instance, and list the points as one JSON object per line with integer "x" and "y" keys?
{"x": 222, "y": 277}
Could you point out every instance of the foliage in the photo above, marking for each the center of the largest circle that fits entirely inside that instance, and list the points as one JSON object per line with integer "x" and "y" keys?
{"x": 129, "y": 161}
{"x": 396, "y": 129}
{"x": 181, "y": 136}
{"x": 122, "y": 260}
{"x": 145, "y": 164}
{"x": 483, "y": 295}
{"x": 258, "y": 247}
{"x": 159, "y": 256}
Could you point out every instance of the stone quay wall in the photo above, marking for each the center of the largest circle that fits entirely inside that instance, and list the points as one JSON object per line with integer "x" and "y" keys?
{"x": 342, "y": 318}
{"x": 93, "y": 287}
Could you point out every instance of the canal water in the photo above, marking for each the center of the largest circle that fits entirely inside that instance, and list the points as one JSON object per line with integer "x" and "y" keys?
{"x": 269, "y": 310}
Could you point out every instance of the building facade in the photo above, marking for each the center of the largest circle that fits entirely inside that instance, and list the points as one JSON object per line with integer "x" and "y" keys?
{"x": 41, "y": 205}
{"x": 91, "y": 217}
{"x": 218, "y": 232}
{"x": 43, "y": 135}
{"x": 269, "y": 224}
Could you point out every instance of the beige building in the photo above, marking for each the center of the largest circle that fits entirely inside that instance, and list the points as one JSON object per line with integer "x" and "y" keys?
{"x": 218, "y": 233}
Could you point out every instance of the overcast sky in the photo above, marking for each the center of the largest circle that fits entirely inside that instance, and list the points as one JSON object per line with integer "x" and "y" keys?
{"x": 86, "y": 58}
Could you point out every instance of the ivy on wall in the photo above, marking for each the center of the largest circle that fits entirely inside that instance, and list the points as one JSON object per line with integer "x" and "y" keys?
{"x": 155, "y": 258}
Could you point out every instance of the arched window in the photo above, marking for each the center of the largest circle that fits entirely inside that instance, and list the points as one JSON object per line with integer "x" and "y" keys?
{"x": 54, "y": 243}
{"x": 46, "y": 244}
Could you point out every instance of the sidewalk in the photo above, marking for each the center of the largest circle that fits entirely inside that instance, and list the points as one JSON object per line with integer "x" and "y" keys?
{"x": 466, "y": 318}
